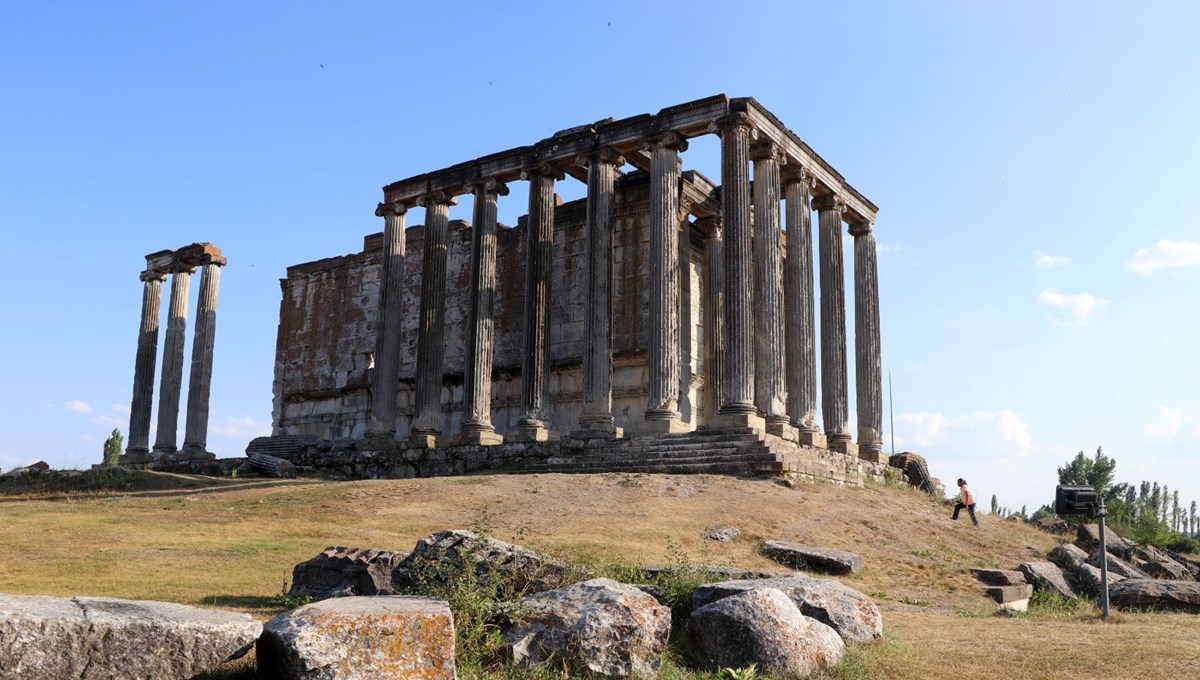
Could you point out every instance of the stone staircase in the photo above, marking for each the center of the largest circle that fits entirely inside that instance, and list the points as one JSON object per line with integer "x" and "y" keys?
{"x": 735, "y": 451}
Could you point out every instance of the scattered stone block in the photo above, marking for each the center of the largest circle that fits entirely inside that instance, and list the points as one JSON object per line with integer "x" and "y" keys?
{"x": 1048, "y": 577}
{"x": 999, "y": 577}
{"x": 854, "y": 616}
{"x": 55, "y": 638}
{"x": 442, "y": 554}
{"x": 600, "y": 626}
{"x": 1089, "y": 539}
{"x": 1116, "y": 565}
{"x": 1068, "y": 556}
{"x": 1007, "y": 594}
{"x": 360, "y": 637}
{"x": 1183, "y": 596}
{"x": 270, "y": 466}
{"x": 723, "y": 534}
{"x": 342, "y": 572}
{"x": 1085, "y": 579}
{"x": 808, "y": 558}
{"x": 762, "y": 627}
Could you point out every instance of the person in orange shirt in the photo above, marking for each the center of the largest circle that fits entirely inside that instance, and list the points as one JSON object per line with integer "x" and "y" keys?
{"x": 966, "y": 500}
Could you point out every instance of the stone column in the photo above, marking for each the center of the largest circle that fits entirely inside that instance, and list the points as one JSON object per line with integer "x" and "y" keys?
{"x": 687, "y": 410}
{"x": 714, "y": 314}
{"x": 171, "y": 381}
{"x": 381, "y": 429}
{"x": 833, "y": 324}
{"x": 596, "y": 419}
{"x": 737, "y": 393}
{"x": 137, "y": 450}
{"x": 662, "y": 409}
{"x": 195, "y": 435}
{"x": 477, "y": 387}
{"x": 868, "y": 366}
{"x": 431, "y": 345}
{"x": 539, "y": 261}
{"x": 801, "y": 328}
{"x": 770, "y": 387}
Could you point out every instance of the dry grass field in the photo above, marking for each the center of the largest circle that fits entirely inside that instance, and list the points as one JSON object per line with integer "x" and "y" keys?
{"x": 232, "y": 544}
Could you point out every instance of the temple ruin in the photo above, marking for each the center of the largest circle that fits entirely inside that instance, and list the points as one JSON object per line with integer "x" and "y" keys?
{"x": 179, "y": 265}
{"x": 663, "y": 322}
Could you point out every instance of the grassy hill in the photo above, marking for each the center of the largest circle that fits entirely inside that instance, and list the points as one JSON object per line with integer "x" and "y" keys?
{"x": 232, "y": 544}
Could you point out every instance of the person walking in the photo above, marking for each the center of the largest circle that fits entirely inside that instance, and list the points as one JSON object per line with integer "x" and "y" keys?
{"x": 966, "y": 500}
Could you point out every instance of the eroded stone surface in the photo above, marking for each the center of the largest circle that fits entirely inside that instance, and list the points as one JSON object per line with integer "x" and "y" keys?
{"x": 340, "y": 572}
{"x": 442, "y": 554}
{"x": 1116, "y": 565}
{"x": 1085, "y": 579}
{"x": 360, "y": 638}
{"x": 1047, "y": 576}
{"x": 1068, "y": 556}
{"x": 998, "y": 577}
{"x": 1156, "y": 594}
{"x": 852, "y": 614}
{"x": 809, "y": 558}
{"x": 57, "y": 638}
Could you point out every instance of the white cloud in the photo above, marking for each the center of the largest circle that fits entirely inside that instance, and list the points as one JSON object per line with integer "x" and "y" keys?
{"x": 1165, "y": 424}
{"x": 119, "y": 408}
{"x": 109, "y": 420}
{"x": 1164, "y": 255}
{"x": 243, "y": 426}
{"x": 77, "y": 406}
{"x": 1043, "y": 261}
{"x": 1001, "y": 432}
{"x": 1072, "y": 309}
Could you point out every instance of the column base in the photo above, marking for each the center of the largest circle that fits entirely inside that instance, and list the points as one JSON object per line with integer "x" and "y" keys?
{"x": 872, "y": 453}
{"x": 745, "y": 420}
{"x": 784, "y": 431}
{"x": 812, "y": 438}
{"x": 843, "y": 445}
{"x": 481, "y": 437}
{"x": 375, "y": 441}
{"x": 423, "y": 440}
{"x": 529, "y": 433}
{"x": 663, "y": 426}
{"x": 597, "y": 430}
{"x": 135, "y": 457}
{"x": 190, "y": 453}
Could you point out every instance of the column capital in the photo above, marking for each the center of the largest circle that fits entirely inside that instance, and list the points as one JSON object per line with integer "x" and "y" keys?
{"x": 798, "y": 174}
{"x": 685, "y": 206}
{"x": 601, "y": 154}
{"x": 437, "y": 198}
{"x": 861, "y": 228}
{"x": 487, "y": 185}
{"x": 543, "y": 170}
{"x": 153, "y": 275}
{"x": 711, "y": 226}
{"x": 768, "y": 150}
{"x": 829, "y": 202}
{"x": 393, "y": 208}
{"x": 198, "y": 255}
{"x": 664, "y": 140}
{"x": 737, "y": 120}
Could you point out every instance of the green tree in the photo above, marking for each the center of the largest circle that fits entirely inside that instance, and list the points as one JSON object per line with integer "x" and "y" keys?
{"x": 113, "y": 446}
{"x": 995, "y": 505}
{"x": 1096, "y": 472}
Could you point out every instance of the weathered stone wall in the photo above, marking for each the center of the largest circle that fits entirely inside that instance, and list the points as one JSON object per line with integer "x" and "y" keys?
{"x": 329, "y": 310}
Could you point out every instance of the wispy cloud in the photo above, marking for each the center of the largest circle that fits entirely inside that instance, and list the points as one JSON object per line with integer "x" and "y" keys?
{"x": 1043, "y": 261}
{"x": 1070, "y": 309}
{"x": 1165, "y": 424}
{"x": 78, "y": 406}
{"x": 241, "y": 426}
{"x": 1164, "y": 255}
{"x": 110, "y": 420}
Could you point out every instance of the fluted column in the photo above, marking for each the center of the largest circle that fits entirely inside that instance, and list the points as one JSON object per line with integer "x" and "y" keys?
{"x": 801, "y": 329}
{"x": 714, "y": 314}
{"x": 171, "y": 381}
{"x": 737, "y": 407}
{"x": 195, "y": 436}
{"x": 833, "y": 323}
{"x": 770, "y": 387}
{"x": 477, "y": 389}
{"x": 662, "y": 409}
{"x": 381, "y": 430}
{"x": 539, "y": 260}
{"x": 137, "y": 450}
{"x": 868, "y": 366}
{"x": 596, "y": 418}
{"x": 431, "y": 346}
{"x": 687, "y": 410}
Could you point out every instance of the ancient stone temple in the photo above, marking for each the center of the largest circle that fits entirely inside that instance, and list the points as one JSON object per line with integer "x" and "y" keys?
{"x": 179, "y": 265}
{"x": 666, "y": 321}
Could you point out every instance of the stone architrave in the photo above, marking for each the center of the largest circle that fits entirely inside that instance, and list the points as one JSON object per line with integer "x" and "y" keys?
{"x": 171, "y": 381}
{"x": 833, "y": 323}
{"x": 770, "y": 387}
{"x": 138, "y": 448}
{"x": 539, "y": 260}
{"x": 477, "y": 425}
{"x": 381, "y": 430}
{"x": 737, "y": 393}
{"x": 714, "y": 315}
{"x": 868, "y": 363}
{"x": 596, "y": 419}
{"x": 662, "y": 408}
{"x": 801, "y": 328}
{"x": 431, "y": 345}
{"x": 195, "y": 436}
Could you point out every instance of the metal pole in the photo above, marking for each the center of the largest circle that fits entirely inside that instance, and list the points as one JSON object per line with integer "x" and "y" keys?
{"x": 891, "y": 412}
{"x": 1101, "y": 512}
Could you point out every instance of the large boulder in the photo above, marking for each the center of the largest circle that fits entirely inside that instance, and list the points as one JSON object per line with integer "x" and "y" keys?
{"x": 853, "y": 615}
{"x": 1068, "y": 556}
{"x": 58, "y": 638}
{"x": 357, "y": 638}
{"x": 341, "y": 572}
{"x": 1089, "y": 539}
{"x": 762, "y": 627}
{"x": 998, "y": 577}
{"x": 1156, "y": 594}
{"x": 808, "y": 558}
{"x": 1085, "y": 579}
{"x": 1192, "y": 567}
{"x": 1158, "y": 564}
{"x": 1048, "y": 577}
{"x": 1116, "y": 565}
{"x": 444, "y": 554}
{"x": 599, "y": 626}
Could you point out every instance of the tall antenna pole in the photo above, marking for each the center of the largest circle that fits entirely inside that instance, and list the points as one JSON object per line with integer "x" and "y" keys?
{"x": 892, "y": 412}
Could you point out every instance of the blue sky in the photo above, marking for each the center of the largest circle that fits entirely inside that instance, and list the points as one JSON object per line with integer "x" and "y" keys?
{"x": 1034, "y": 164}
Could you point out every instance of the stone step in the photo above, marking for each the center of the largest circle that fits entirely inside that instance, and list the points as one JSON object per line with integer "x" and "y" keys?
{"x": 694, "y": 468}
{"x": 666, "y": 452}
{"x": 642, "y": 440}
{"x": 585, "y": 462}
